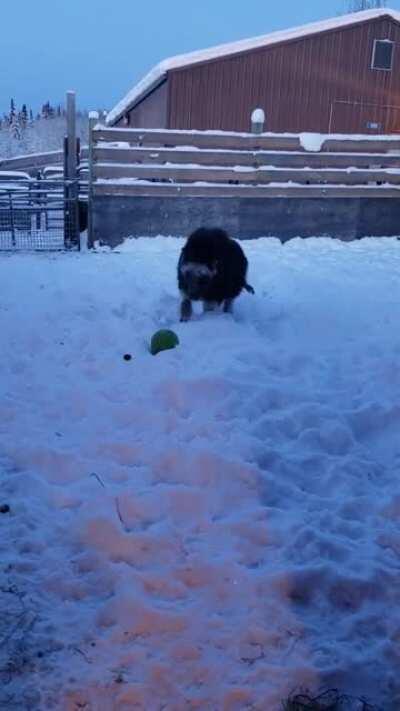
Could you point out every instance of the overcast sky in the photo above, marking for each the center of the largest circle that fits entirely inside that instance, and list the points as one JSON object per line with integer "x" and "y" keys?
{"x": 101, "y": 48}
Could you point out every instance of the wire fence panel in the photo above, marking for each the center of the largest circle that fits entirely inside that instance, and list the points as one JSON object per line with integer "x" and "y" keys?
{"x": 39, "y": 215}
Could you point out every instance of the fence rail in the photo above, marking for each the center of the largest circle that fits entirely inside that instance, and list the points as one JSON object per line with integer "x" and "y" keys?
{"x": 214, "y": 190}
{"x": 254, "y": 176}
{"x": 246, "y": 141}
{"x": 254, "y": 159}
{"x": 33, "y": 161}
{"x": 37, "y": 161}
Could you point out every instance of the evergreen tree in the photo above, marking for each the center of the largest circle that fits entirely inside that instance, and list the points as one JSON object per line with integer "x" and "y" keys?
{"x": 358, "y": 5}
{"x": 15, "y": 128}
{"x": 51, "y": 111}
{"x": 24, "y": 115}
{"x": 47, "y": 110}
{"x": 12, "y": 111}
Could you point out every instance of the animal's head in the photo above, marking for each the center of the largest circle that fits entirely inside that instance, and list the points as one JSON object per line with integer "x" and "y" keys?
{"x": 197, "y": 277}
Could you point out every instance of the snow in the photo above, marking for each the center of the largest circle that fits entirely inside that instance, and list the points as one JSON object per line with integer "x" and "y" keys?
{"x": 17, "y": 174}
{"x": 24, "y": 240}
{"x": 49, "y": 154}
{"x": 315, "y": 141}
{"x": 160, "y": 71}
{"x": 138, "y": 134}
{"x": 312, "y": 142}
{"x": 51, "y": 170}
{"x": 216, "y": 526}
{"x": 12, "y": 185}
{"x": 258, "y": 116}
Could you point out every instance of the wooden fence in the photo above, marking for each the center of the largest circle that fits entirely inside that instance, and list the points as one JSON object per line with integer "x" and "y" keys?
{"x": 158, "y": 162}
{"x": 31, "y": 163}
{"x": 149, "y": 182}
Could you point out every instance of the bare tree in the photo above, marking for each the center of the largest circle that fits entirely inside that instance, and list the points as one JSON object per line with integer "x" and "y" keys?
{"x": 358, "y": 5}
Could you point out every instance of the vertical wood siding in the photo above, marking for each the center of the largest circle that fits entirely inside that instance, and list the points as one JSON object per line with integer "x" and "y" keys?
{"x": 149, "y": 113}
{"x": 320, "y": 83}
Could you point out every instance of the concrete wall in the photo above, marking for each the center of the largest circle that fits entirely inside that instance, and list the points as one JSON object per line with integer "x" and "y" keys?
{"x": 117, "y": 217}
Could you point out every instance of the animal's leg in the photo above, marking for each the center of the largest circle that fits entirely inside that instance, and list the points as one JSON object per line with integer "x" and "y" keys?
{"x": 228, "y": 306}
{"x": 209, "y": 306}
{"x": 186, "y": 309}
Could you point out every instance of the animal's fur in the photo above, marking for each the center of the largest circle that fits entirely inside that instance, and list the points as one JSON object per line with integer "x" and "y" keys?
{"x": 212, "y": 268}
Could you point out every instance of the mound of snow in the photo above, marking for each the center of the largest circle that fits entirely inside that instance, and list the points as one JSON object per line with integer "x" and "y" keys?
{"x": 216, "y": 526}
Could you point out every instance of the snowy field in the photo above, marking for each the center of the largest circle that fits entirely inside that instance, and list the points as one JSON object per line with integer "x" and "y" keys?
{"x": 214, "y": 527}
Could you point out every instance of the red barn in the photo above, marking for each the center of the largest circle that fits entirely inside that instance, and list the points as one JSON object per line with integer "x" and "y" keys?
{"x": 336, "y": 76}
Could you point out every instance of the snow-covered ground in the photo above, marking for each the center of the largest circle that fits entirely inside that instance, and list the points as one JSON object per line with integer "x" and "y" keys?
{"x": 216, "y": 526}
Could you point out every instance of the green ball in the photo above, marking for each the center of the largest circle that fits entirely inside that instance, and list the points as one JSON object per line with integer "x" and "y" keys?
{"x": 162, "y": 341}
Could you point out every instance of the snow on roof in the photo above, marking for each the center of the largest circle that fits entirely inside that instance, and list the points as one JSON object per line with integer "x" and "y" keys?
{"x": 159, "y": 72}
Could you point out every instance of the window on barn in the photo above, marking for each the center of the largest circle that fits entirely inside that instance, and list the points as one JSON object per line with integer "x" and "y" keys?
{"x": 382, "y": 56}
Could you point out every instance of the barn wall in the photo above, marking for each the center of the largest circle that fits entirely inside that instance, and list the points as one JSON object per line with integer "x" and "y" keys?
{"x": 151, "y": 112}
{"x": 300, "y": 84}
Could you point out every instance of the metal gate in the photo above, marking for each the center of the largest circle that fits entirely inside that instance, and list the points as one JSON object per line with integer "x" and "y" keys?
{"x": 39, "y": 215}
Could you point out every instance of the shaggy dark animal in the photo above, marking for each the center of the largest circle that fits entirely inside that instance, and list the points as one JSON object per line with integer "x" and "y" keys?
{"x": 212, "y": 268}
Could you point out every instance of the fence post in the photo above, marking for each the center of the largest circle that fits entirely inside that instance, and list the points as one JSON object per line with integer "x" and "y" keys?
{"x": 257, "y": 121}
{"x": 71, "y": 189}
{"x": 93, "y": 120}
{"x": 38, "y": 200}
{"x": 71, "y": 136}
{"x": 12, "y": 222}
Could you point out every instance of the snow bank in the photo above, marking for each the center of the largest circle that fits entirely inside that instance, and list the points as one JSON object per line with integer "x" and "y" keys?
{"x": 216, "y": 526}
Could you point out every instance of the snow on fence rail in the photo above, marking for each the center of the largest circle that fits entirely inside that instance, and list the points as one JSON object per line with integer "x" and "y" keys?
{"x": 31, "y": 161}
{"x": 195, "y": 163}
{"x": 36, "y": 161}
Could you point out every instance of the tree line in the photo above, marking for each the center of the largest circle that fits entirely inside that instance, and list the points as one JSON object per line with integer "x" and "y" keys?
{"x": 17, "y": 120}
